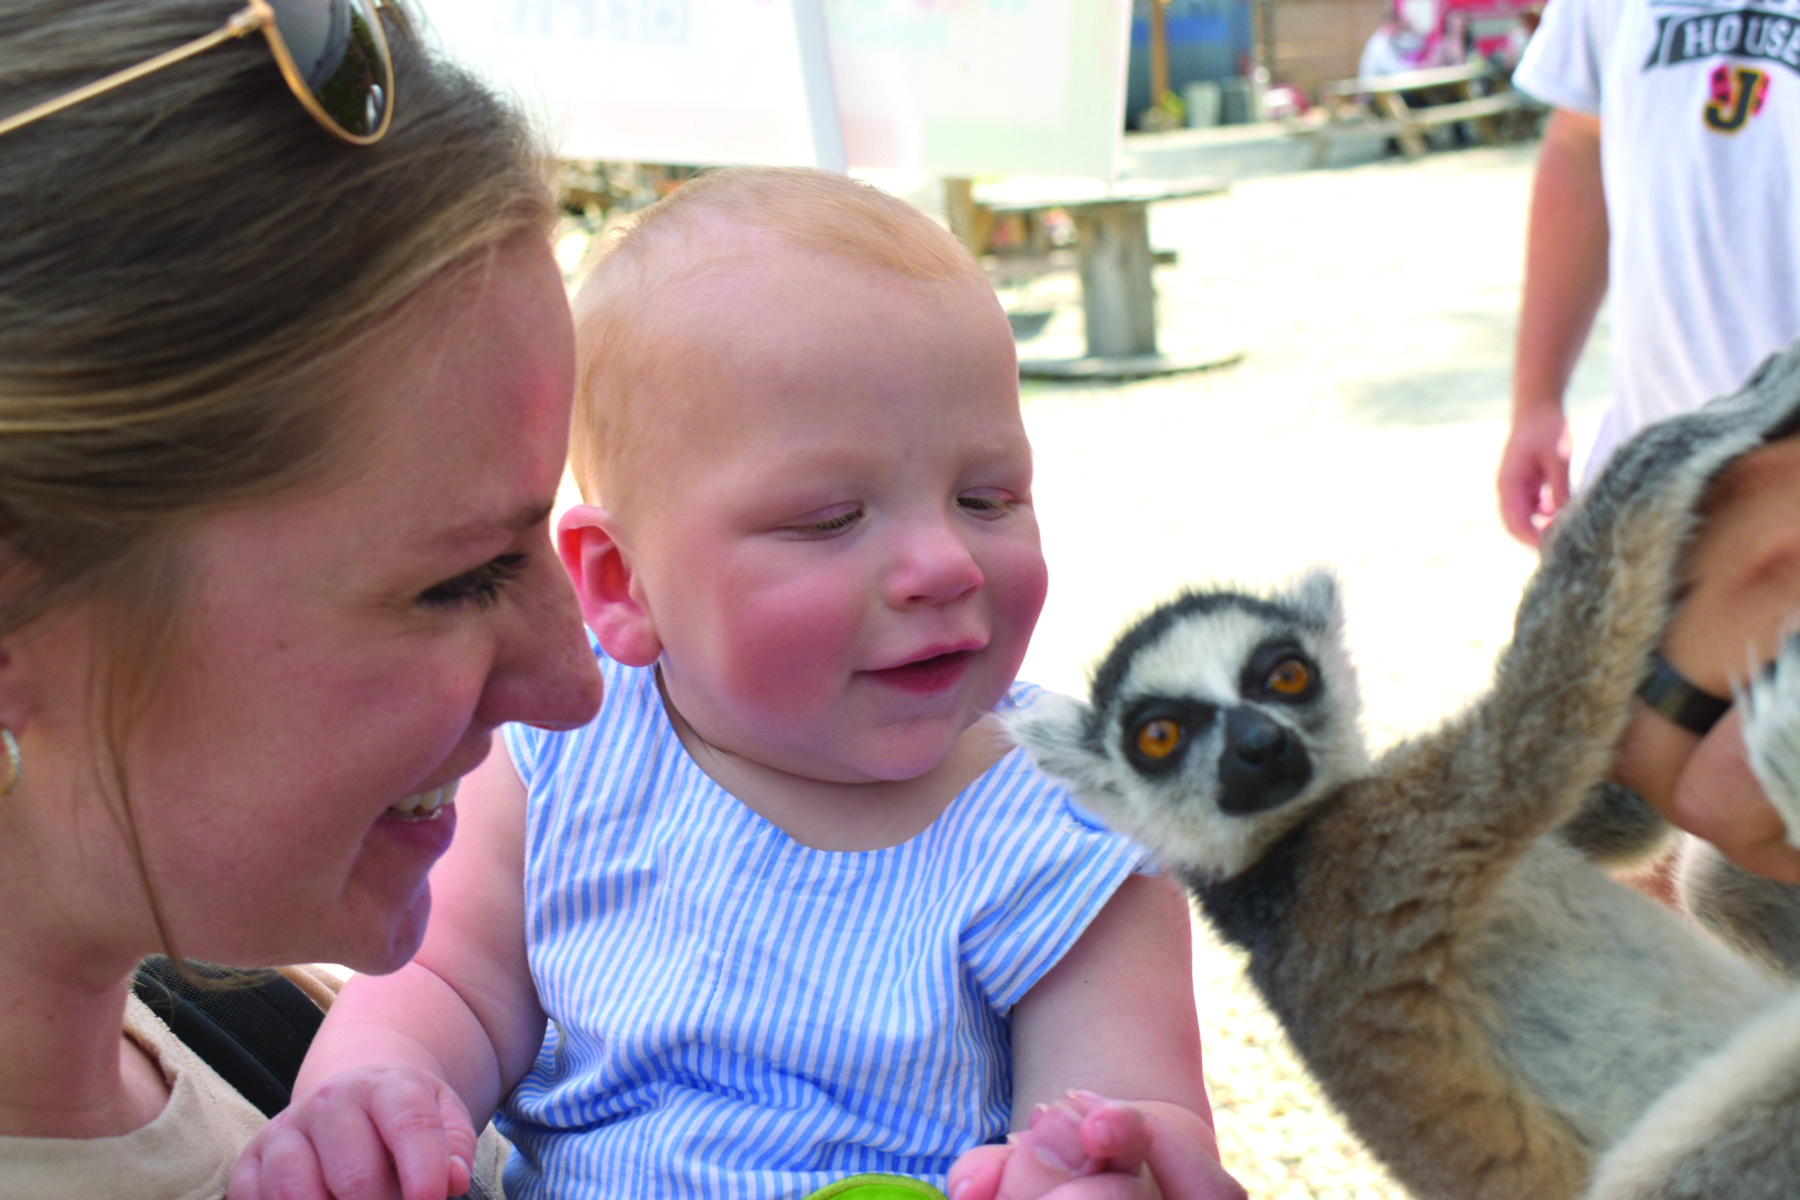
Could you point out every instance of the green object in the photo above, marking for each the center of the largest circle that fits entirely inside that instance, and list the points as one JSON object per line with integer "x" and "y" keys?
{"x": 877, "y": 1187}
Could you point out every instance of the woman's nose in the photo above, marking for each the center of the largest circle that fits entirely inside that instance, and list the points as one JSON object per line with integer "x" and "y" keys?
{"x": 544, "y": 672}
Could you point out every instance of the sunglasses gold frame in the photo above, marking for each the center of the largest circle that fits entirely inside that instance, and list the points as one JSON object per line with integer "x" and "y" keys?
{"x": 255, "y": 15}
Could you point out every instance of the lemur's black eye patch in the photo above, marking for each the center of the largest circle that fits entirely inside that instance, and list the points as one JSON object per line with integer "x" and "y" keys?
{"x": 1279, "y": 670}
{"x": 1157, "y": 731}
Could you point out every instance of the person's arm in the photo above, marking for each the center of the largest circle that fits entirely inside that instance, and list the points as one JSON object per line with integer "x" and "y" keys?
{"x": 408, "y": 1066}
{"x": 1114, "y": 1018}
{"x": 1743, "y": 591}
{"x": 1565, "y": 282}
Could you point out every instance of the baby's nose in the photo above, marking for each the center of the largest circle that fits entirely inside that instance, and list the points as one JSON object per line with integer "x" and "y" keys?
{"x": 935, "y": 567}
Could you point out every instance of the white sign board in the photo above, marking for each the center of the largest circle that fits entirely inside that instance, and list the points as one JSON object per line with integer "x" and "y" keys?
{"x": 982, "y": 87}
{"x": 719, "y": 81}
{"x": 951, "y": 87}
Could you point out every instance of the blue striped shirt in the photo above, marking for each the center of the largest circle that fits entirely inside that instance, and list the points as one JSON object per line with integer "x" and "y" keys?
{"x": 735, "y": 1015}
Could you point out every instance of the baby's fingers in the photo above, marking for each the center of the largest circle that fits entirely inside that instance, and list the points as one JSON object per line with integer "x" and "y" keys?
{"x": 374, "y": 1134}
{"x": 1109, "y": 1186}
{"x": 432, "y": 1142}
{"x": 1183, "y": 1161}
{"x": 1187, "y": 1167}
{"x": 1047, "y": 1155}
{"x": 1115, "y": 1133}
{"x": 976, "y": 1175}
{"x": 1185, "y": 1171}
{"x": 278, "y": 1165}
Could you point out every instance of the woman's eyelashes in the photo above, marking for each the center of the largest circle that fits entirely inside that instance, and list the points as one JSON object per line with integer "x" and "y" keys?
{"x": 480, "y": 587}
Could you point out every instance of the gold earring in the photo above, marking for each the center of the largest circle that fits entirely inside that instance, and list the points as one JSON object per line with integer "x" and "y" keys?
{"x": 15, "y": 762}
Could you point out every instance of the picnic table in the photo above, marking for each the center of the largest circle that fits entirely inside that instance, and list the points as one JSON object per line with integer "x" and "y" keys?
{"x": 1113, "y": 255}
{"x": 1409, "y": 105}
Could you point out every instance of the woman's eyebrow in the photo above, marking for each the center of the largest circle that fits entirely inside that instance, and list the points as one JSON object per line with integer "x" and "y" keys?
{"x": 491, "y": 528}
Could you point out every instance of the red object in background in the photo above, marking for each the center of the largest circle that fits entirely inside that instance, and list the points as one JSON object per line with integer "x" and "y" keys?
{"x": 1491, "y": 22}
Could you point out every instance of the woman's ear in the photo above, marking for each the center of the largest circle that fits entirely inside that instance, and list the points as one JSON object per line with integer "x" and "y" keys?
{"x": 587, "y": 539}
{"x": 17, "y": 698}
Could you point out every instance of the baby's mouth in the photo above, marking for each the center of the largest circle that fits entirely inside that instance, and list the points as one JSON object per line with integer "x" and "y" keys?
{"x": 423, "y": 806}
{"x": 927, "y": 674}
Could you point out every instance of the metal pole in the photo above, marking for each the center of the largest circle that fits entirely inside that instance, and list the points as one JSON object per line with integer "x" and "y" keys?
{"x": 1262, "y": 36}
{"x": 821, "y": 85}
{"x": 1159, "y": 54}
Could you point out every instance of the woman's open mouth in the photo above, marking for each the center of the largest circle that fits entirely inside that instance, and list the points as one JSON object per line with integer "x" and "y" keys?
{"x": 423, "y": 806}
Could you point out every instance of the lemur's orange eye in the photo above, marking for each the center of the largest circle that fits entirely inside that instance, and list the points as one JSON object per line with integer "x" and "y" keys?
{"x": 1158, "y": 738}
{"x": 1289, "y": 678}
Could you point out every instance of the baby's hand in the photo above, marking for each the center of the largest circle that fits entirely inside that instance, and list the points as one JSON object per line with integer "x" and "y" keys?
{"x": 1086, "y": 1147}
{"x": 375, "y": 1133}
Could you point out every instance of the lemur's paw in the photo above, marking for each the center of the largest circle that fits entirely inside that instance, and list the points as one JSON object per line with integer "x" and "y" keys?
{"x": 1772, "y": 733}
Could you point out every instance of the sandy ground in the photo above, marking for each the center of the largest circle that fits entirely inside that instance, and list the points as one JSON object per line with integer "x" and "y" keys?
{"x": 1375, "y": 304}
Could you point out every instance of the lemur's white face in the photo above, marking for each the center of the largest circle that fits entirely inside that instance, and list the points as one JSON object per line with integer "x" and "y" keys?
{"x": 1215, "y": 723}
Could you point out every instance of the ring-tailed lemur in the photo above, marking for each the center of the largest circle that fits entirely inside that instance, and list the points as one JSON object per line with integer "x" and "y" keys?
{"x": 1495, "y": 1016}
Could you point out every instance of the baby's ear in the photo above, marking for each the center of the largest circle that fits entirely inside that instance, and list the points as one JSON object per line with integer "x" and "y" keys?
{"x": 587, "y": 540}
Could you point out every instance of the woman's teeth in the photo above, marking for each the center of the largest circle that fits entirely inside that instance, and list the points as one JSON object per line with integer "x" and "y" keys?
{"x": 424, "y": 805}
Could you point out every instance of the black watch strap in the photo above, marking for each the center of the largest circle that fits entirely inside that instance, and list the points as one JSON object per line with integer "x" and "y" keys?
{"x": 1670, "y": 693}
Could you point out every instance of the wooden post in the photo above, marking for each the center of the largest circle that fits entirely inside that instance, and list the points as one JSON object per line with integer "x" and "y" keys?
{"x": 969, "y": 221}
{"x": 1117, "y": 296}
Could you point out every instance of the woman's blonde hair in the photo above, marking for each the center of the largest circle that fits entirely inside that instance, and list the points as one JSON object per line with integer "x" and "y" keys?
{"x": 188, "y": 267}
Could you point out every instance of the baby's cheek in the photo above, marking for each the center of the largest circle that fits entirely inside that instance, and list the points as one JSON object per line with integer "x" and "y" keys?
{"x": 789, "y": 640}
{"x": 1018, "y": 584}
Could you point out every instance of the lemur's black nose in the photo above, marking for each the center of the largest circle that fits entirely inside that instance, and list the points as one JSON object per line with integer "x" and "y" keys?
{"x": 1263, "y": 763}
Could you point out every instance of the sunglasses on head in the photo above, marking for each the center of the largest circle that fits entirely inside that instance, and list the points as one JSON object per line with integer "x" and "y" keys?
{"x": 332, "y": 53}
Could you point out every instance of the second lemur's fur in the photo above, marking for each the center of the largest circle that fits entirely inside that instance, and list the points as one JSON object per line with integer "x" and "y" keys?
{"x": 1495, "y": 1015}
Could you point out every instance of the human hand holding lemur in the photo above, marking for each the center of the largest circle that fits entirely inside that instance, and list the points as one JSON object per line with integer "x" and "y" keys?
{"x": 1087, "y": 1147}
{"x": 1743, "y": 594}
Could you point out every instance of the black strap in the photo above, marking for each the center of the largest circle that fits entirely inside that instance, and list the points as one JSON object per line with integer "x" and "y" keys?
{"x": 251, "y": 1029}
{"x": 1670, "y": 693}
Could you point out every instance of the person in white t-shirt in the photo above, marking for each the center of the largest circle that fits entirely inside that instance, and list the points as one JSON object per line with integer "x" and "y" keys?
{"x": 1390, "y": 50}
{"x": 1687, "y": 213}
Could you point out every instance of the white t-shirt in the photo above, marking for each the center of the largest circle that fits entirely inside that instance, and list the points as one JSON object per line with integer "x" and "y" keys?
{"x": 1699, "y": 105}
{"x": 1384, "y": 54}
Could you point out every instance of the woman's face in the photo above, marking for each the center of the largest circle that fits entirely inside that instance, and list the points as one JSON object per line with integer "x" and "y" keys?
{"x": 350, "y": 651}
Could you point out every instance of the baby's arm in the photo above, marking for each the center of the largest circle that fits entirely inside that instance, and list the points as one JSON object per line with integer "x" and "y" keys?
{"x": 384, "y": 1101}
{"x": 1114, "y": 1018}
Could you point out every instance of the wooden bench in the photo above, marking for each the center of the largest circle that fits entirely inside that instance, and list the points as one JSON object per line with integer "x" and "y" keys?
{"x": 1392, "y": 105}
{"x": 1118, "y": 295}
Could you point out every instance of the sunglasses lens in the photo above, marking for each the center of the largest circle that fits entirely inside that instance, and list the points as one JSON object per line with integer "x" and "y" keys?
{"x": 342, "y": 57}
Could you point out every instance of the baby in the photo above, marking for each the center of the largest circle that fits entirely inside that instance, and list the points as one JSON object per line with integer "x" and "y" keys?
{"x": 791, "y": 909}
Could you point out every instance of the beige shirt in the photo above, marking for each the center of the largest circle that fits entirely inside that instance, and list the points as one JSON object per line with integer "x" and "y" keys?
{"x": 185, "y": 1154}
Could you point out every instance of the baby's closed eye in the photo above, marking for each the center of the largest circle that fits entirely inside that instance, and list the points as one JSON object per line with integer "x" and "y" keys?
{"x": 825, "y": 521}
{"x": 986, "y": 503}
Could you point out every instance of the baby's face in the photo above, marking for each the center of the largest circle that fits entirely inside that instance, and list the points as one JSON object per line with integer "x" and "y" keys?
{"x": 843, "y": 564}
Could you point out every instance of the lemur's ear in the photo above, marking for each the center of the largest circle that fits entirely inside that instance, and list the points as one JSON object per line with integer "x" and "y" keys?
{"x": 1316, "y": 593}
{"x": 611, "y": 603}
{"x": 1054, "y": 731}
